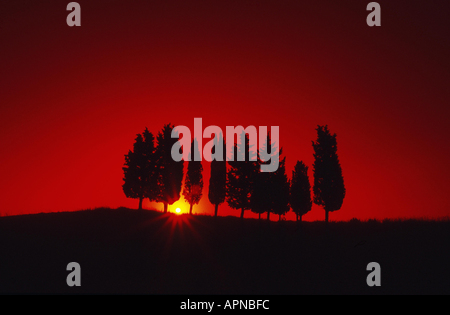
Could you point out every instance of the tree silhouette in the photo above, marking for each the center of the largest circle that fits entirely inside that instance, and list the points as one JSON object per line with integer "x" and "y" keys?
{"x": 262, "y": 196}
{"x": 300, "y": 190}
{"x": 271, "y": 189}
{"x": 261, "y": 200}
{"x": 169, "y": 172}
{"x": 193, "y": 184}
{"x": 329, "y": 190}
{"x": 280, "y": 190}
{"x": 218, "y": 180}
{"x": 241, "y": 176}
{"x": 139, "y": 169}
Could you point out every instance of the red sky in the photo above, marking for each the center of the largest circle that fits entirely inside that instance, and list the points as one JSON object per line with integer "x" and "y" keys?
{"x": 74, "y": 98}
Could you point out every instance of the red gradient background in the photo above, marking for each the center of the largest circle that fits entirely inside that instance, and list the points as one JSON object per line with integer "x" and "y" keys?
{"x": 74, "y": 98}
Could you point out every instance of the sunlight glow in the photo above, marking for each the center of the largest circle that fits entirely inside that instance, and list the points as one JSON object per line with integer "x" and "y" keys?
{"x": 178, "y": 210}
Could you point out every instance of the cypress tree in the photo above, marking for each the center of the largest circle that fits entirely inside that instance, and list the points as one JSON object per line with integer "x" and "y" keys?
{"x": 329, "y": 189}
{"x": 193, "y": 184}
{"x": 139, "y": 169}
{"x": 169, "y": 172}
{"x": 271, "y": 189}
{"x": 218, "y": 180}
{"x": 280, "y": 188}
{"x": 300, "y": 190}
{"x": 241, "y": 176}
{"x": 262, "y": 196}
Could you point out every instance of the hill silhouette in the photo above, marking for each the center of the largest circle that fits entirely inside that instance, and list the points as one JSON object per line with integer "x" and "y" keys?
{"x": 123, "y": 251}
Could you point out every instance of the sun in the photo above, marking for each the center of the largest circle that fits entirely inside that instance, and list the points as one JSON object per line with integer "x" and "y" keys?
{"x": 178, "y": 208}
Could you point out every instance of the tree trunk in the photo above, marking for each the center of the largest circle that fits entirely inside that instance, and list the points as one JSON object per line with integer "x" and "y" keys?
{"x": 242, "y": 213}
{"x": 216, "y": 210}
{"x": 165, "y": 207}
{"x": 297, "y": 216}
{"x": 279, "y": 217}
{"x": 268, "y": 215}
{"x": 301, "y": 217}
{"x": 140, "y": 203}
{"x": 326, "y": 216}
{"x": 190, "y": 209}
{"x": 259, "y": 216}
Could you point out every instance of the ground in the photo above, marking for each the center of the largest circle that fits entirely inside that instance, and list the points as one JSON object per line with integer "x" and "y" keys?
{"x": 123, "y": 251}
